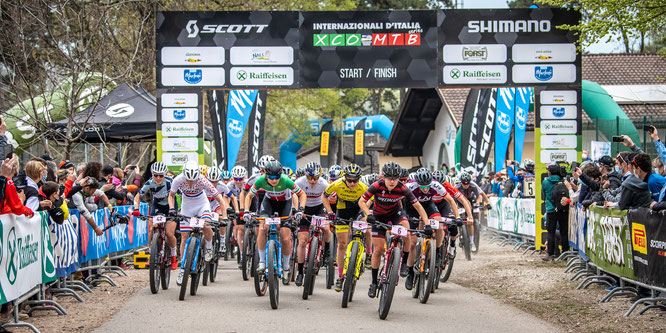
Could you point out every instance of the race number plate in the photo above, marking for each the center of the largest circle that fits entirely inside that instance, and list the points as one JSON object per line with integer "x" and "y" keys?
{"x": 461, "y": 211}
{"x": 216, "y": 217}
{"x": 434, "y": 224}
{"x": 399, "y": 230}
{"x": 196, "y": 222}
{"x": 529, "y": 186}
{"x": 475, "y": 210}
{"x": 359, "y": 225}
{"x": 319, "y": 221}
{"x": 159, "y": 219}
{"x": 273, "y": 220}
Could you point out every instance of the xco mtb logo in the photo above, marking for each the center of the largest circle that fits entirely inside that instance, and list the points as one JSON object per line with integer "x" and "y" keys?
{"x": 11, "y": 269}
{"x": 455, "y": 73}
{"x": 241, "y": 75}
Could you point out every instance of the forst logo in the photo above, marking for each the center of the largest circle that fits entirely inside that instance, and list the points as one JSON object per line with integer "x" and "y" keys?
{"x": 503, "y": 122}
{"x": 179, "y": 114}
{"x": 193, "y": 29}
{"x": 475, "y": 53}
{"x": 235, "y": 128}
{"x": 543, "y": 73}
{"x": 639, "y": 238}
{"x": 178, "y": 159}
{"x": 555, "y": 157}
{"x": 193, "y": 76}
{"x": 558, "y": 112}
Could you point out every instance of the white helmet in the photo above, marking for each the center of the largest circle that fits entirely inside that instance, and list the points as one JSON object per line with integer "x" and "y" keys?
{"x": 213, "y": 174}
{"x": 158, "y": 168}
{"x": 264, "y": 160}
{"x": 191, "y": 170}
{"x": 238, "y": 172}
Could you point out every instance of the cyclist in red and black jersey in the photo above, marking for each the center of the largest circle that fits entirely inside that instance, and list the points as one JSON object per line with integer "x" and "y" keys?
{"x": 388, "y": 193}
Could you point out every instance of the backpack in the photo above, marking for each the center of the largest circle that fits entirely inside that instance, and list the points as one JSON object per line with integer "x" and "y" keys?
{"x": 560, "y": 191}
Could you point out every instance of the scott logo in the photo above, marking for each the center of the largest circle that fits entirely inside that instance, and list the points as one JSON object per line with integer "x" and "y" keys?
{"x": 543, "y": 73}
{"x": 503, "y": 122}
{"x": 193, "y": 30}
{"x": 235, "y": 128}
{"x": 558, "y": 112}
{"x": 639, "y": 238}
{"x": 193, "y": 76}
{"x": 179, "y": 114}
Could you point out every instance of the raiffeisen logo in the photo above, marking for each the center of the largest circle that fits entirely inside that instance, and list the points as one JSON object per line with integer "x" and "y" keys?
{"x": 193, "y": 29}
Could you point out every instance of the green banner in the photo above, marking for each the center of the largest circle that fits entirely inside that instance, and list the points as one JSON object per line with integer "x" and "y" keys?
{"x": 512, "y": 215}
{"x": 609, "y": 241}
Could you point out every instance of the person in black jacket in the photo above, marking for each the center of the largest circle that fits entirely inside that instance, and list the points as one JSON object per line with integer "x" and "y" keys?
{"x": 635, "y": 192}
{"x": 57, "y": 208}
{"x": 593, "y": 174}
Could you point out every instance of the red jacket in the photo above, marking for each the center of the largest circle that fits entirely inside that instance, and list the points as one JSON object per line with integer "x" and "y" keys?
{"x": 12, "y": 204}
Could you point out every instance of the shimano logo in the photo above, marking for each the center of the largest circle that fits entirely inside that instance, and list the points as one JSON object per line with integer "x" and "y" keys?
{"x": 491, "y": 26}
{"x": 193, "y": 29}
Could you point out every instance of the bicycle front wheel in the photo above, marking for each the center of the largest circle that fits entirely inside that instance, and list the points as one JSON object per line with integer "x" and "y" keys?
{"x": 271, "y": 266}
{"x": 228, "y": 241}
{"x": 418, "y": 278}
{"x": 388, "y": 286}
{"x": 477, "y": 234}
{"x": 154, "y": 261}
{"x": 428, "y": 277}
{"x": 310, "y": 262}
{"x": 260, "y": 283}
{"x": 246, "y": 265}
{"x": 189, "y": 258}
{"x": 465, "y": 242}
{"x": 350, "y": 276}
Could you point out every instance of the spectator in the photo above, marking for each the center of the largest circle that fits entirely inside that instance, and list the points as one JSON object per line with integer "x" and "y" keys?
{"x": 634, "y": 190}
{"x": 54, "y": 204}
{"x": 170, "y": 174}
{"x": 66, "y": 165}
{"x": 658, "y": 167}
{"x": 79, "y": 170}
{"x": 661, "y": 150}
{"x": 35, "y": 172}
{"x": 10, "y": 203}
{"x": 486, "y": 184}
{"x": 586, "y": 155}
{"x": 496, "y": 185}
{"x": 84, "y": 201}
{"x": 556, "y": 214}
{"x": 594, "y": 196}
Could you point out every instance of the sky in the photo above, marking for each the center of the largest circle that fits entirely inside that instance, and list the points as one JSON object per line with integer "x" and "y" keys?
{"x": 600, "y": 47}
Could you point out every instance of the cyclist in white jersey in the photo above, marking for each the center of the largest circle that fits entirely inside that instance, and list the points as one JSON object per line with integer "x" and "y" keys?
{"x": 195, "y": 189}
{"x": 238, "y": 174}
{"x": 213, "y": 177}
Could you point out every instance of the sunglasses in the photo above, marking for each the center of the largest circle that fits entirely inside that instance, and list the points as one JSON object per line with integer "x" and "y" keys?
{"x": 391, "y": 178}
{"x": 313, "y": 177}
{"x": 271, "y": 177}
{"x": 158, "y": 176}
{"x": 424, "y": 187}
{"x": 239, "y": 179}
{"x": 351, "y": 180}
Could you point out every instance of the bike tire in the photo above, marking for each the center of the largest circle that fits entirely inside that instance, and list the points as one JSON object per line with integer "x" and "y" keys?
{"x": 416, "y": 288}
{"x": 310, "y": 262}
{"x": 465, "y": 240}
{"x": 477, "y": 234}
{"x": 245, "y": 263}
{"x": 330, "y": 272}
{"x": 448, "y": 267}
{"x": 429, "y": 274}
{"x": 260, "y": 283}
{"x": 189, "y": 257}
{"x": 165, "y": 275}
{"x": 206, "y": 273}
{"x": 292, "y": 259}
{"x": 350, "y": 274}
{"x": 228, "y": 241}
{"x": 440, "y": 268}
{"x": 388, "y": 287}
{"x": 273, "y": 283}
{"x": 155, "y": 260}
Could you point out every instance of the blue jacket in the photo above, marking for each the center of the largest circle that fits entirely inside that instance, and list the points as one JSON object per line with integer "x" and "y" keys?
{"x": 655, "y": 184}
{"x": 661, "y": 150}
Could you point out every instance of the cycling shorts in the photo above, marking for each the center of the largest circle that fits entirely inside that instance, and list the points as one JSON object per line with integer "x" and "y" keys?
{"x": 282, "y": 208}
{"x": 444, "y": 209}
{"x": 194, "y": 206}
{"x": 351, "y": 213}
{"x": 157, "y": 209}
{"x": 395, "y": 219}
{"x": 304, "y": 224}
{"x": 431, "y": 211}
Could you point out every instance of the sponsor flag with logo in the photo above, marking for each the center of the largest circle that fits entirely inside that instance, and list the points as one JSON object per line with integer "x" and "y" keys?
{"x": 648, "y": 243}
{"x": 239, "y": 108}
{"x": 503, "y": 124}
{"x": 477, "y": 129}
{"x": 325, "y": 145}
{"x": 256, "y": 143}
{"x": 359, "y": 143}
{"x": 522, "y": 106}
{"x": 217, "y": 115}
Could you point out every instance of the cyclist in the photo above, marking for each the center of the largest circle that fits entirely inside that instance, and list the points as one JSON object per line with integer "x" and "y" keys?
{"x": 277, "y": 199}
{"x": 287, "y": 171}
{"x": 300, "y": 172}
{"x": 471, "y": 192}
{"x": 424, "y": 189}
{"x": 263, "y": 160}
{"x": 314, "y": 187}
{"x": 334, "y": 173}
{"x": 195, "y": 190}
{"x": 226, "y": 177}
{"x": 213, "y": 177}
{"x": 238, "y": 173}
{"x": 348, "y": 190}
{"x": 158, "y": 186}
{"x": 447, "y": 210}
{"x": 388, "y": 193}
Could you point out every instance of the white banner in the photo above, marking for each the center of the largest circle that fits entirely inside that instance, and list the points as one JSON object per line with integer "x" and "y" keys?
{"x": 599, "y": 149}
{"x": 513, "y": 215}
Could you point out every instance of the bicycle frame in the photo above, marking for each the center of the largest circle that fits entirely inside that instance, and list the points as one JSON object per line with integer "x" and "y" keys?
{"x": 274, "y": 235}
{"x": 357, "y": 236}
{"x": 396, "y": 241}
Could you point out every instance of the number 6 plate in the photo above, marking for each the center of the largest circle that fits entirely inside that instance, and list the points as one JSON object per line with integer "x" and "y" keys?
{"x": 273, "y": 220}
{"x": 319, "y": 221}
{"x": 196, "y": 222}
{"x": 399, "y": 230}
{"x": 434, "y": 224}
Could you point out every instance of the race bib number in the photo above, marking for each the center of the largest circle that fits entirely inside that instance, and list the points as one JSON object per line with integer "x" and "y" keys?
{"x": 319, "y": 221}
{"x": 434, "y": 224}
{"x": 216, "y": 217}
{"x": 273, "y": 220}
{"x": 399, "y": 230}
{"x": 359, "y": 225}
{"x": 159, "y": 219}
{"x": 475, "y": 210}
{"x": 196, "y": 222}
{"x": 461, "y": 211}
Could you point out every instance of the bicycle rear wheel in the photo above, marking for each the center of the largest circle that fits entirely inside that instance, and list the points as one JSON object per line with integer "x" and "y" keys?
{"x": 189, "y": 258}
{"x": 228, "y": 241}
{"x": 310, "y": 262}
{"x": 260, "y": 283}
{"x": 388, "y": 287}
{"x": 477, "y": 234}
{"x": 271, "y": 266}
{"x": 428, "y": 277}
{"x": 154, "y": 261}
{"x": 245, "y": 261}
{"x": 465, "y": 242}
{"x": 350, "y": 274}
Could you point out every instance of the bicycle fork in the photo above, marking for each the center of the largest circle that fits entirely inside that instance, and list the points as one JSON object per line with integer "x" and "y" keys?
{"x": 197, "y": 243}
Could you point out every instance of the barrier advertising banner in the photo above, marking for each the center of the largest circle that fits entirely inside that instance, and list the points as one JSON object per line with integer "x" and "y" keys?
{"x": 648, "y": 235}
{"x": 512, "y": 215}
{"x": 256, "y": 127}
{"x": 324, "y": 147}
{"x": 608, "y": 240}
{"x": 239, "y": 108}
{"x": 578, "y": 229}
{"x": 359, "y": 143}
{"x": 478, "y": 129}
{"x": 26, "y": 255}
{"x": 506, "y": 98}
{"x": 522, "y": 106}
{"x": 65, "y": 241}
{"x": 216, "y": 108}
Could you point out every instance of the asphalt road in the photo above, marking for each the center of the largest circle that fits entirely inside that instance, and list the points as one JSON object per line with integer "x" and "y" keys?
{"x": 231, "y": 305}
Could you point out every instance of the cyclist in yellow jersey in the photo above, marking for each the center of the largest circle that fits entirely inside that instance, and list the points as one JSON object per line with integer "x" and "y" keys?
{"x": 348, "y": 190}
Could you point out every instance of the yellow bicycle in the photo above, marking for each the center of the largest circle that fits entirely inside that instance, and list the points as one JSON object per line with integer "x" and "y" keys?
{"x": 354, "y": 258}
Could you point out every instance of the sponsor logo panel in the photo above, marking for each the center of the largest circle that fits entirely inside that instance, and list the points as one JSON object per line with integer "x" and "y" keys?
{"x": 180, "y": 115}
{"x": 544, "y": 73}
{"x": 192, "y": 56}
{"x": 179, "y": 100}
{"x": 474, "y": 53}
{"x": 251, "y": 55}
{"x": 375, "y": 39}
{"x": 639, "y": 238}
{"x": 193, "y": 29}
{"x": 558, "y": 97}
{"x": 178, "y": 159}
{"x": 180, "y": 144}
{"x": 562, "y": 52}
{"x": 558, "y": 112}
{"x": 205, "y": 76}
{"x": 180, "y": 129}
{"x": 489, "y": 74}
{"x": 559, "y": 127}
{"x": 559, "y": 141}
{"x": 262, "y": 76}
{"x": 551, "y": 156}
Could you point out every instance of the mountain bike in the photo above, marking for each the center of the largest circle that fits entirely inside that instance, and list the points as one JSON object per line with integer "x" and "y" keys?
{"x": 273, "y": 272}
{"x": 210, "y": 270}
{"x": 159, "y": 262}
{"x": 247, "y": 255}
{"x": 314, "y": 253}
{"x": 354, "y": 258}
{"x": 463, "y": 240}
{"x": 426, "y": 260}
{"x": 445, "y": 264}
{"x": 194, "y": 263}
{"x": 229, "y": 241}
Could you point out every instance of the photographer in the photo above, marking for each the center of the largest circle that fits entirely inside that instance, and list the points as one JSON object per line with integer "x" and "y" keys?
{"x": 634, "y": 190}
{"x": 82, "y": 200}
{"x": 53, "y": 203}
{"x": 556, "y": 213}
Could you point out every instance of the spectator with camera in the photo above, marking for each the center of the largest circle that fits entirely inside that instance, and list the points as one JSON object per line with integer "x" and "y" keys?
{"x": 82, "y": 201}
{"x": 634, "y": 190}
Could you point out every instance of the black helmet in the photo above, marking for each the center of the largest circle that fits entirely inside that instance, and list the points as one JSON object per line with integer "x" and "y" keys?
{"x": 273, "y": 168}
{"x": 352, "y": 171}
{"x": 300, "y": 172}
{"x": 404, "y": 173}
{"x": 391, "y": 169}
{"x": 465, "y": 178}
{"x": 423, "y": 177}
{"x": 438, "y": 176}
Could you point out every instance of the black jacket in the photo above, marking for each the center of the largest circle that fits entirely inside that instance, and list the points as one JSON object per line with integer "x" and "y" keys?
{"x": 635, "y": 193}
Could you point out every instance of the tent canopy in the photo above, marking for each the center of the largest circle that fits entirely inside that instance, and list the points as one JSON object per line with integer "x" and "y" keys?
{"x": 125, "y": 114}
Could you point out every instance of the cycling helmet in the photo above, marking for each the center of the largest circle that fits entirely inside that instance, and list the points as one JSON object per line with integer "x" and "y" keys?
{"x": 404, "y": 173}
{"x": 423, "y": 177}
{"x": 287, "y": 171}
{"x": 411, "y": 176}
{"x": 203, "y": 169}
{"x": 352, "y": 171}
{"x": 465, "y": 178}
{"x": 213, "y": 174}
{"x": 226, "y": 174}
{"x": 529, "y": 165}
{"x": 365, "y": 179}
{"x": 158, "y": 168}
{"x": 373, "y": 178}
{"x": 191, "y": 170}
{"x": 391, "y": 169}
{"x": 438, "y": 176}
{"x": 300, "y": 172}
{"x": 335, "y": 172}
{"x": 238, "y": 172}
{"x": 273, "y": 168}
{"x": 448, "y": 179}
{"x": 312, "y": 169}
{"x": 264, "y": 160}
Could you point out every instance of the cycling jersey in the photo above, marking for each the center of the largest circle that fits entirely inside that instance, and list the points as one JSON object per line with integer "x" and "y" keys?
{"x": 472, "y": 193}
{"x": 345, "y": 195}
{"x": 313, "y": 192}
{"x": 450, "y": 190}
{"x": 436, "y": 189}
{"x": 235, "y": 189}
{"x": 159, "y": 193}
{"x": 250, "y": 181}
{"x": 280, "y": 192}
{"x": 194, "y": 198}
{"x": 387, "y": 202}
{"x": 222, "y": 189}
